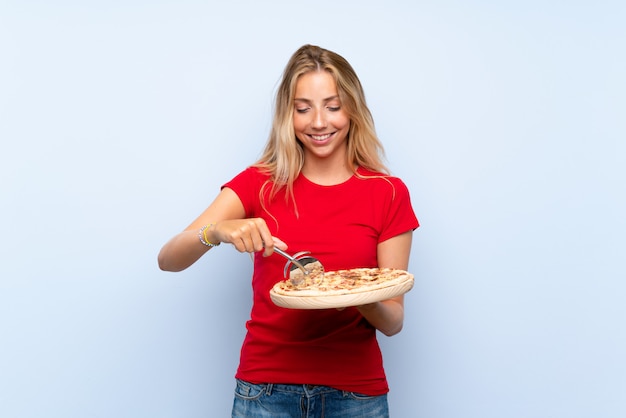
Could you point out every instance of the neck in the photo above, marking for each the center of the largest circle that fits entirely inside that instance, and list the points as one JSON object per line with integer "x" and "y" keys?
{"x": 319, "y": 172}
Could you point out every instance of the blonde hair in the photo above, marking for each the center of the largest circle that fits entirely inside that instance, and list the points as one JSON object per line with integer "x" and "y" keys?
{"x": 283, "y": 156}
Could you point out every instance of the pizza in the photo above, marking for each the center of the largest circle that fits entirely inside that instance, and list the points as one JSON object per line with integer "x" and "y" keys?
{"x": 341, "y": 282}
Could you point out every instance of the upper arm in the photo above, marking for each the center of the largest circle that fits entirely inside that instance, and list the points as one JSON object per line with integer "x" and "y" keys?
{"x": 226, "y": 205}
{"x": 395, "y": 252}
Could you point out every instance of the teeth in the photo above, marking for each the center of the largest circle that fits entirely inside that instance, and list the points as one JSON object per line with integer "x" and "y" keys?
{"x": 320, "y": 137}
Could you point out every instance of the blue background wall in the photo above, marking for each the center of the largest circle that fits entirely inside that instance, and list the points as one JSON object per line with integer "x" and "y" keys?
{"x": 120, "y": 120}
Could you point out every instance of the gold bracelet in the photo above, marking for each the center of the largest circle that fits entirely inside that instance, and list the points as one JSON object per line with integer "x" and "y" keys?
{"x": 203, "y": 238}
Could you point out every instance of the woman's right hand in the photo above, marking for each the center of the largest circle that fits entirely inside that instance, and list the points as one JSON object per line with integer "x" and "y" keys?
{"x": 246, "y": 235}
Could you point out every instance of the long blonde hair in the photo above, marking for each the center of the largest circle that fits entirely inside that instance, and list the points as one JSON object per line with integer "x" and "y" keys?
{"x": 283, "y": 156}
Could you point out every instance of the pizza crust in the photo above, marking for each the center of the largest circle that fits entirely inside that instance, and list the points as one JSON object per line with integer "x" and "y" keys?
{"x": 343, "y": 282}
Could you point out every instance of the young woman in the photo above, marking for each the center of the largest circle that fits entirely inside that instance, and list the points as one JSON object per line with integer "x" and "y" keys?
{"x": 319, "y": 186}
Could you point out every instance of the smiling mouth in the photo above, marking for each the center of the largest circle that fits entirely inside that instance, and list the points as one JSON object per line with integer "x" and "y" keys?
{"x": 320, "y": 137}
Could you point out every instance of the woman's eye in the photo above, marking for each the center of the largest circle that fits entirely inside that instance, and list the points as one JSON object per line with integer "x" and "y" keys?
{"x": 334, "y": 108}
{"x": 302, "y": 110}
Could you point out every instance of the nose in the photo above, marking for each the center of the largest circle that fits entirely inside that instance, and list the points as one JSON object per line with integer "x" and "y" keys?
{"x": 319, "y": 120}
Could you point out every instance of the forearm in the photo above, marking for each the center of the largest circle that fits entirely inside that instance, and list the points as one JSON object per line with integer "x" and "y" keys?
{"x": 386, "y": 316}
{"x": 181, "y": 251}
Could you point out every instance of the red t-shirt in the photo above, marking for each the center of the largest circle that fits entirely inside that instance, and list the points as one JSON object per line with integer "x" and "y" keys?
{"x": 341, "y": 225}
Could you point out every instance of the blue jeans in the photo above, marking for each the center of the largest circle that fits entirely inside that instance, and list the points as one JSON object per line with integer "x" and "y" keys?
{"x": 304, "y": 401}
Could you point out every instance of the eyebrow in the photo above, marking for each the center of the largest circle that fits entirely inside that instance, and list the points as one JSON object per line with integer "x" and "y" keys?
{"x": 328, "y": 99}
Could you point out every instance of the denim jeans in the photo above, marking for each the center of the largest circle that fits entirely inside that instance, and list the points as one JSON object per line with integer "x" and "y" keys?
{"x": 304, "y": 401}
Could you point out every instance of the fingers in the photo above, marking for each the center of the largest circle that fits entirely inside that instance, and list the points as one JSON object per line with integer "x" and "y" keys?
{"x": 246, "y": 235}
{"x": 279, "y": 243}
{"x": 272, "y": 243}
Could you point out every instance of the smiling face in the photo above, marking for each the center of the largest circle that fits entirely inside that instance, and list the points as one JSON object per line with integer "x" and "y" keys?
{"x": 319, "y": 121}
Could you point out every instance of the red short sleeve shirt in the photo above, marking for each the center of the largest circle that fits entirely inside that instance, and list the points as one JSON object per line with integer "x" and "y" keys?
{"x": 341, "y": 225}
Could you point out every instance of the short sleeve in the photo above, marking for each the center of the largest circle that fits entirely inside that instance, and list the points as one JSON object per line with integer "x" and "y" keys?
{"x": 399, "y": 217}
{"x": 247, "y": 185}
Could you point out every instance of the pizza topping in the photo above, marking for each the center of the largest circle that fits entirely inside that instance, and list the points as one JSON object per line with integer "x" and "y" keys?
{"x": 343, "y": 282}
{"x": 315, "y": 273}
